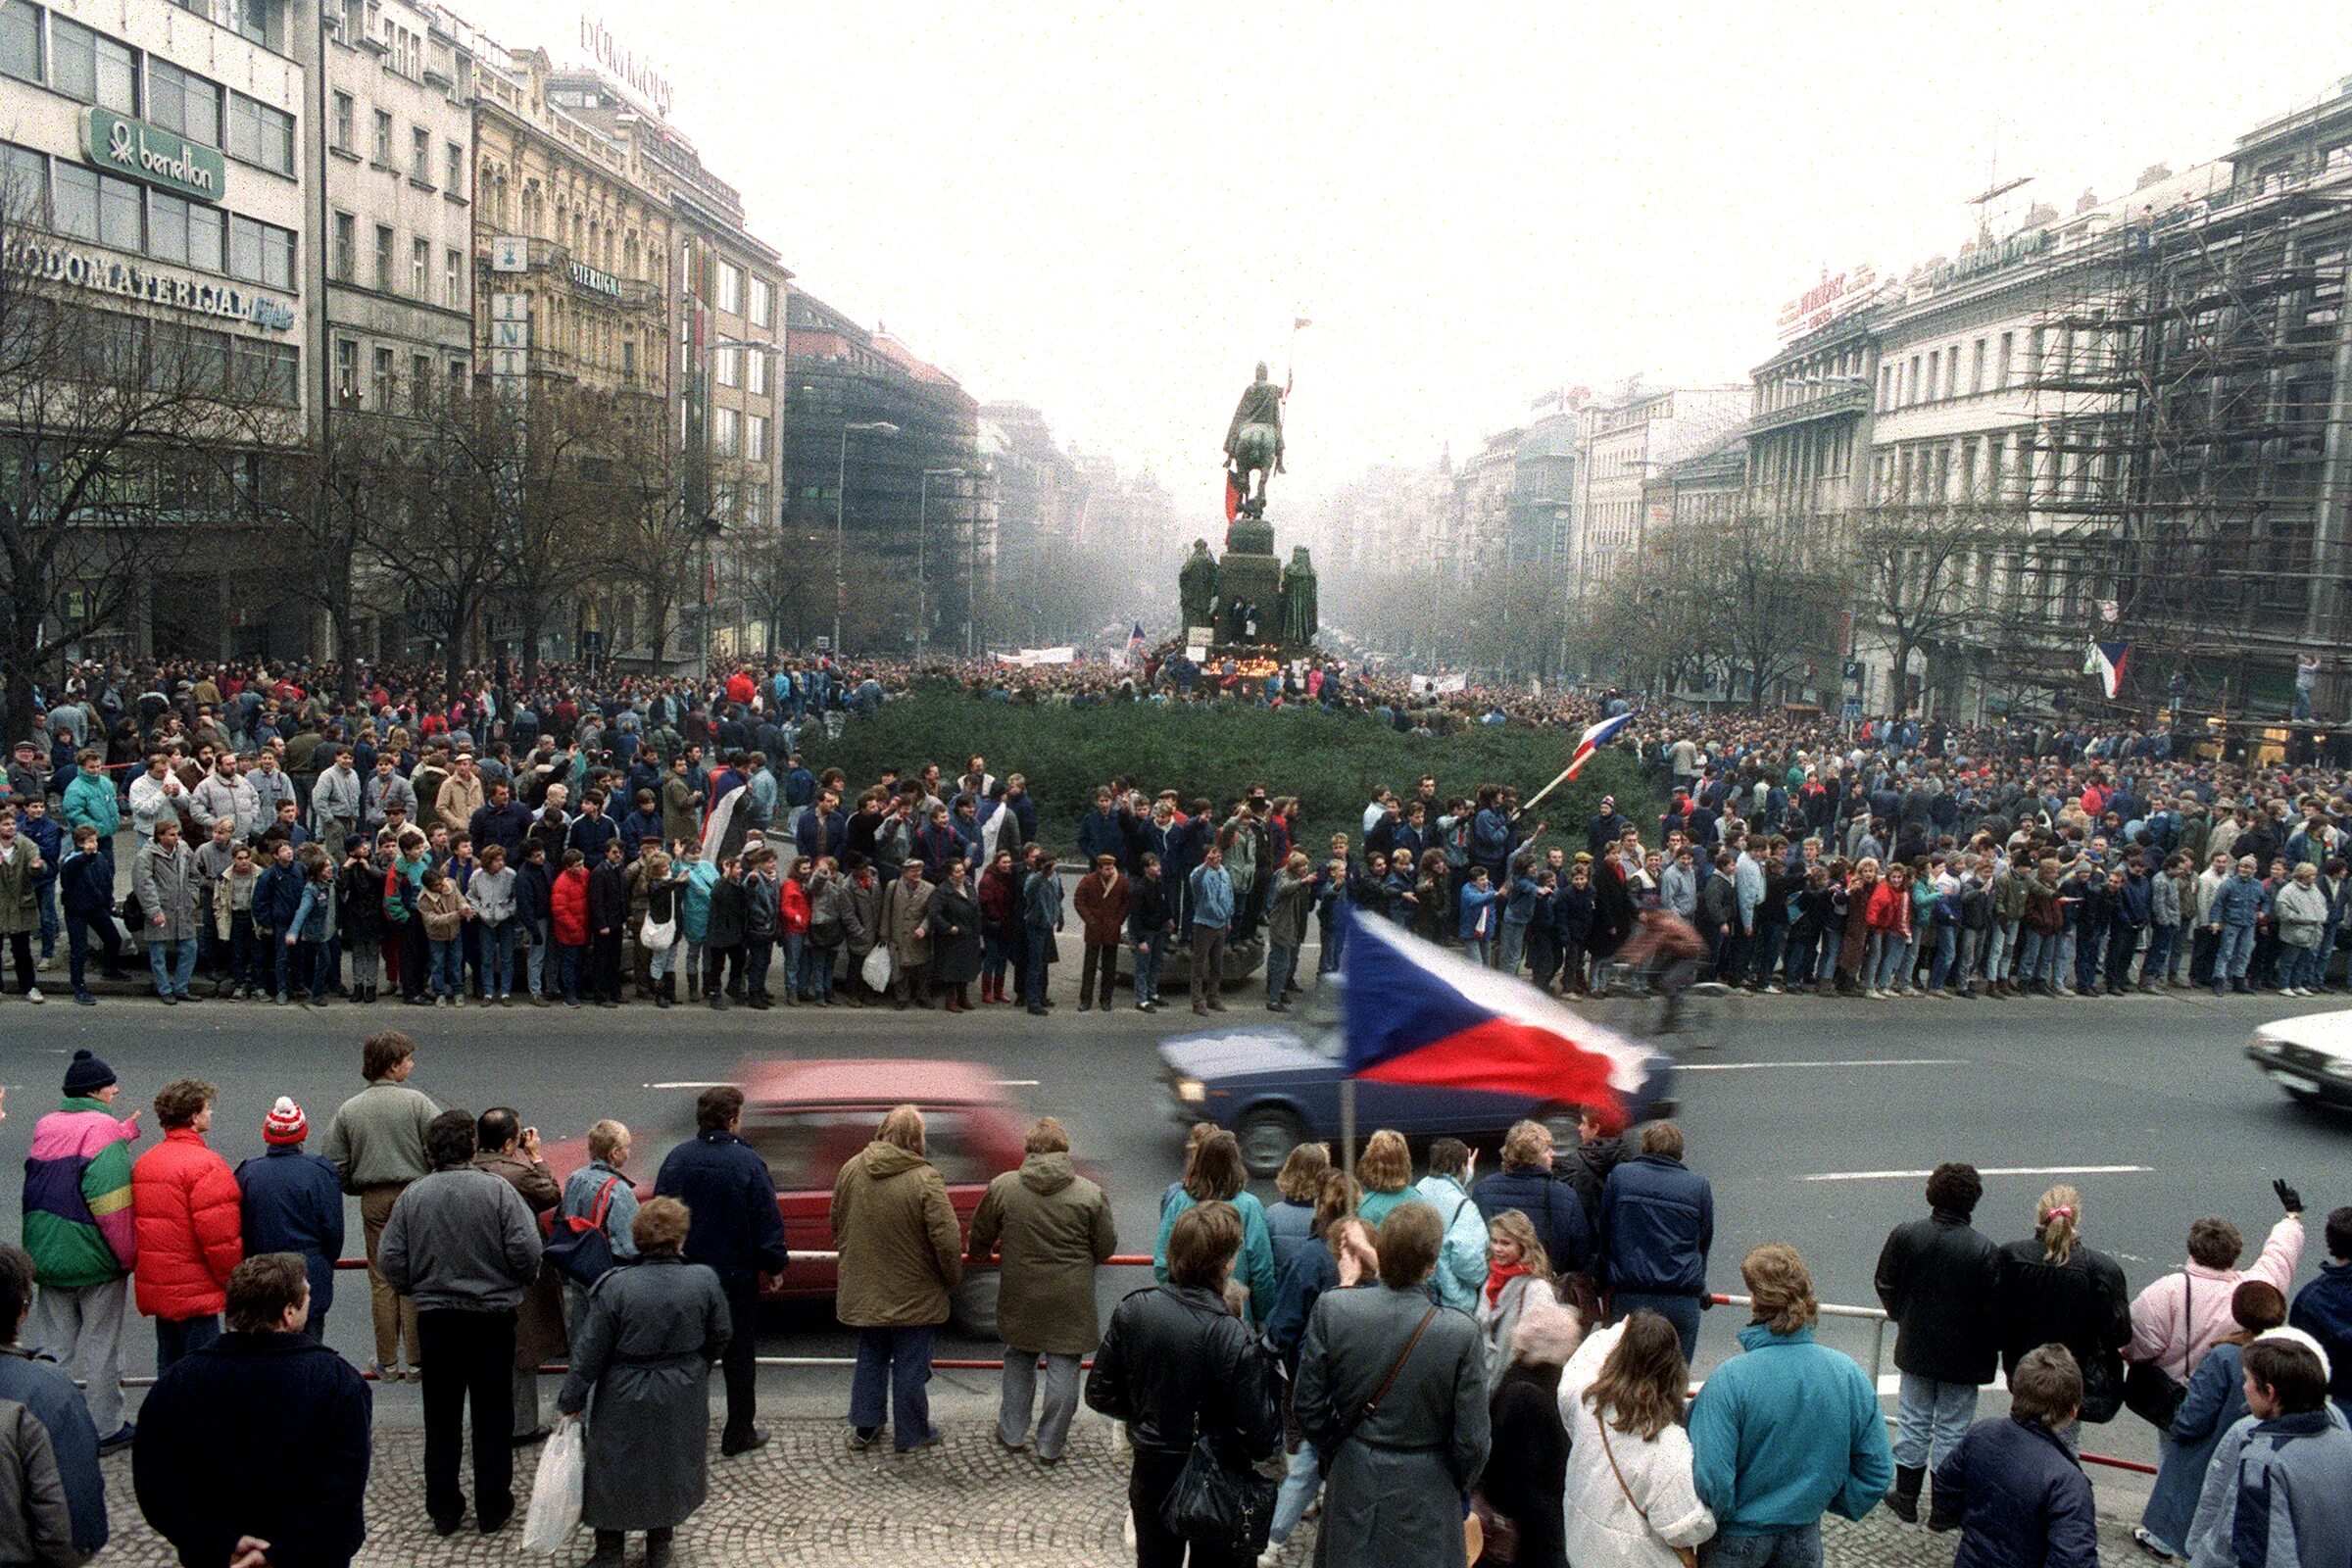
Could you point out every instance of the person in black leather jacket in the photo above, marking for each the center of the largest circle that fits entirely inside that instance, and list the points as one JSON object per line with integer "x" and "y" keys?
{"x": 1937, "y": 1277}
{"x": 1174, "y": 1363}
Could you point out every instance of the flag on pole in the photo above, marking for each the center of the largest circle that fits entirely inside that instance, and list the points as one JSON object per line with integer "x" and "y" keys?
{"x": 2106, "y": 661}
{"x": 1419, "y": 1015}
{"x": 1594, "y": 739}
{"x": 1137, "y": 645}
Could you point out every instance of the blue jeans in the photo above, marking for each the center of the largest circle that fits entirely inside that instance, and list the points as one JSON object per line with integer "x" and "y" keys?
{"x": 1789, "y": 1549}
{"x": 1281, "y": 964}
{"x": 817, "y": 969}
{"x": 571, "y": 960}
{"x": 45, "y": 899}
{"x": 448, "y": 970}
{"x": 995, "y": 954}
{"x": 1041, "y": 948}
{"x": 1947, "y": 947}
{"x": 895, "y": 1363}
{"x": 2236, "y": 952}
{"x": 1680, "y": 1310}
{"x": 2033, "y": 951}
{"x": 794, "y": 975}
{"x": 302, "y": 958}
{"x": 1146, "y": 969}
{"x": 178, "y": 1338}
{"x": 1929, "y": 1419}
{"x": 534, "y": 963}
{"x": 1514, "y": 941}
{"x": 2299, "y": 966}
{"x": 170, "y": 980}
{"x": 2158, "y": 964}
{"x": 497, "y": 944}
{"x": 1298, "y": 1488}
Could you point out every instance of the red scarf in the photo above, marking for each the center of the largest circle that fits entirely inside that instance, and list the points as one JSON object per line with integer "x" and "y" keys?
{"x": 1497, "y": 1276}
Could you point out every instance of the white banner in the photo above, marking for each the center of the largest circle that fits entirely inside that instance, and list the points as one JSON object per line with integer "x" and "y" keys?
{"x": 1030, "y": 656}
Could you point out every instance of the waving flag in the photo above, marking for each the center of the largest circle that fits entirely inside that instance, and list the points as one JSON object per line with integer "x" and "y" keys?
{"x": 1419, "y": 1015}
{"x": 1594, "y": 739}
{"x": 1137, "y": 646}
{"x": 2106, "y": 661}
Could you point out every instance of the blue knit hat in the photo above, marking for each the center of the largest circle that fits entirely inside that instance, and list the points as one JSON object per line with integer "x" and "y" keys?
{"x": 87, "y": 1074}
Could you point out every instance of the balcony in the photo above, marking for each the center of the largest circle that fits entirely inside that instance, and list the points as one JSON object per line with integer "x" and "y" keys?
{"x": 1839, "y": 402}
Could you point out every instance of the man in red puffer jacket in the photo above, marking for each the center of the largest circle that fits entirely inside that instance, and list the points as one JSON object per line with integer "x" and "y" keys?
{"x": 189, "y": 1212}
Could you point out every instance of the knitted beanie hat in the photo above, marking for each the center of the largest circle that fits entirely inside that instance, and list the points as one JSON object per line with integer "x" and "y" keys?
{"x": 285, "y": 1123}
{"x": 86, "y": 1073}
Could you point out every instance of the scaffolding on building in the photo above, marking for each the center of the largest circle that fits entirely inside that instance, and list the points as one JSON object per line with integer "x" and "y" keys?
{"x": 2187, "y": 475}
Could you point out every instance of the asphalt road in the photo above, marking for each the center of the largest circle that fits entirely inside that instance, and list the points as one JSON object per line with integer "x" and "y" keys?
{"x": 1815, "y": 1121}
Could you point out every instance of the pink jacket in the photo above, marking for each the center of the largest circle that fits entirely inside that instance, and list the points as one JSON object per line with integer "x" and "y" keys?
{"x": 2183, "y": 1315}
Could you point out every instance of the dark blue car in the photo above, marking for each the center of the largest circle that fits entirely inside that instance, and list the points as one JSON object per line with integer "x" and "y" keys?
{"x": 1276, "y": 1082}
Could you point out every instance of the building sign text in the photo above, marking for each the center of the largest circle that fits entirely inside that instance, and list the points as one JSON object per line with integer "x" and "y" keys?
{"x": 150, "y": 152}
{"x": 134, "y": 280}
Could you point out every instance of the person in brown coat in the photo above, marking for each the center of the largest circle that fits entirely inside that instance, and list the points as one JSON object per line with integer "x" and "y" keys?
{"x": 511, "y": 1150}
{"x": 900, "y": 1255}
{"x": 1053, "y": 1229}
{"x": 1102, "y": 901}
{"x": 905, "y": 925}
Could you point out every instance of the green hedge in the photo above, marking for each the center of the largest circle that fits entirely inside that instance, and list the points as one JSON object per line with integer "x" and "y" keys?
{"x": 1332, "y": 763}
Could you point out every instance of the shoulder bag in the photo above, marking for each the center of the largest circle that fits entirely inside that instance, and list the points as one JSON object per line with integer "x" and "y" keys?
{"x": 2148, "y": 1392}
{"x": 1325, "y": 1456}
{"x": 581, "y": 1252}
{"x": 1686, "y": 1555}
{"x": 658, "y": 936}
{"x": 1219, "y": 1507}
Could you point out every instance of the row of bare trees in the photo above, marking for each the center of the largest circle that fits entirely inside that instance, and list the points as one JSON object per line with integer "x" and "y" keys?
{"x": 134, "y": 451}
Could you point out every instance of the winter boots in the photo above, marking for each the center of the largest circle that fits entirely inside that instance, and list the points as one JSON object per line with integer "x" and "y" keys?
{"x": 1904, "y": 1501}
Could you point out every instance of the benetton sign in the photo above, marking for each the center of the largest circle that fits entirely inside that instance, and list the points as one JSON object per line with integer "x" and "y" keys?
{"x": 125, "y": 146}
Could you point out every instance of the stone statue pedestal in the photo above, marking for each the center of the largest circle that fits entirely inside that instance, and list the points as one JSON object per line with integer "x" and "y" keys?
{"x": 1248, "y": 574}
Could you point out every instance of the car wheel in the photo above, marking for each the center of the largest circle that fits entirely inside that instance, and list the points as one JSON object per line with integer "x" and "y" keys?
{"x": 1267, "y": 1135}
{"x": 974, "y": 1305}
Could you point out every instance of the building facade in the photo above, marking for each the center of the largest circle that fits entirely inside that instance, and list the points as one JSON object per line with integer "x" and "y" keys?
{"x": 1629, "y": 436}
{"x": 151, "y": 157}
{"x": 908, "y": 512}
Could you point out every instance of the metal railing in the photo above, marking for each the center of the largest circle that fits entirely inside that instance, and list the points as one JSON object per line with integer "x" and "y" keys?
{"x": 1874, "y": 1316}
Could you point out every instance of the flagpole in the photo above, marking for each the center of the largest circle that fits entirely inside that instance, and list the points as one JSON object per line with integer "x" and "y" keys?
{"x": 1348, "y": 1127}
{"x": 1549, "y": 788}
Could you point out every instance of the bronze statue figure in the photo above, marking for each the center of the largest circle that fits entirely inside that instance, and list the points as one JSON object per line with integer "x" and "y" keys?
{"x": 1298, "y": 607}
{"x": 1253, "y": 441}
{"x": 1197, "y": 585}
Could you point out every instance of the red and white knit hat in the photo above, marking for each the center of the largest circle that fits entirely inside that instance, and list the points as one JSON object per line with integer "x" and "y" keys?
{"x": 285, "y": 1123}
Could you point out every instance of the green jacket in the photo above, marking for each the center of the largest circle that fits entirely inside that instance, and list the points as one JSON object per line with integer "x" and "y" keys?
{"x": 78, "y": 1216}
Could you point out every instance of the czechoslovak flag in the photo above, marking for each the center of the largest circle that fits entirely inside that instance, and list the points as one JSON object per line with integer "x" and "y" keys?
{"x": 1594, "y": 739}
{"x": 2106, "y": 661}
{"x": 1420, "y": 1014}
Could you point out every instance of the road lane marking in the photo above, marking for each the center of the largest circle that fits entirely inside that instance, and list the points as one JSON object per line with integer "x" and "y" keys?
{"x": 716, "y": 1083}
{"x": 1984, "y": 1170}
{"x": 1014, "y": 1083}
{"x": 1868, "y": 1061}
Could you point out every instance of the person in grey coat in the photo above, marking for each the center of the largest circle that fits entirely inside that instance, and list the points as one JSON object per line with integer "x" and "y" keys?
{"x": 652, "y": 1329}
{"x": 163, "y": 879}
{"x": 1394, "y": 1491}
{"x": 2279, "y": 1492}
{"x": 463, "y": 1245}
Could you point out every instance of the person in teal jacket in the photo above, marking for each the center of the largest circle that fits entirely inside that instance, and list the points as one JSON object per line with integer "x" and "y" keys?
{"x": 90, "y": 802}
{"x": 1214, "y": 1174}
{"x": 696, "y": 877}
{"x": 1786, "y": 1431}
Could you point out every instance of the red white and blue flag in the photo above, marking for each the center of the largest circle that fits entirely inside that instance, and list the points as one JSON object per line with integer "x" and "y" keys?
{"x": 2107, "y": 661}
{"x": 1420, "y": 1014}
{"x": 1137, "y": 646}
{"x": 1594, "y": 739}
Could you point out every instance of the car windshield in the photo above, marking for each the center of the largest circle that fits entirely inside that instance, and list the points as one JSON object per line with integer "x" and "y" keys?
{"x": 804, "y": 1148}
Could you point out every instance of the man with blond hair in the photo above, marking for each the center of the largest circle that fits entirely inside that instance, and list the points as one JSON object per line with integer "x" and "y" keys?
{"x": 901, "y": 1257}
{"x": 1785, "y": 1431}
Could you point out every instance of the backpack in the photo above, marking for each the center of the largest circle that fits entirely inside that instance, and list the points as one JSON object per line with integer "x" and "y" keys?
{"x": 581, "y": 1252}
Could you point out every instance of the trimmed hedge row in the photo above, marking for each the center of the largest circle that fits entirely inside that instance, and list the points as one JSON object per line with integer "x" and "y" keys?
{"x": 1331, "y": 763}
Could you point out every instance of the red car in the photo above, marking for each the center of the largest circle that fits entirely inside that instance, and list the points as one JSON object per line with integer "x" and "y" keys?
{"x": 806, "y": 1118}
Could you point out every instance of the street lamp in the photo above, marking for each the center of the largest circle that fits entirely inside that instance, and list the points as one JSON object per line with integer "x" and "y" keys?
{"x": 923, "y": 555}
{"x": 972, "y": 640}
{"x": 841, "y": 480}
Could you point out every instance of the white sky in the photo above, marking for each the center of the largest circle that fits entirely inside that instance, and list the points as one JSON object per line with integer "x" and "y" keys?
{"x": 1112, "y": 216}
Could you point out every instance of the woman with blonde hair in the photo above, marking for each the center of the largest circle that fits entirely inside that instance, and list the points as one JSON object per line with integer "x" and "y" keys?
{"x": 1631, "y": 1500}
{"x": 1290, "y": 1221}
{"x": 1386, "y": 1172}
{"x": 2055, "y": 1291}
{"x": 1517, "y": 1271}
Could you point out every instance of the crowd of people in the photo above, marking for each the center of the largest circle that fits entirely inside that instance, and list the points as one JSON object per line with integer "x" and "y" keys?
{"x": 1437, "y": 1362}
{"x": 564, "y": 841}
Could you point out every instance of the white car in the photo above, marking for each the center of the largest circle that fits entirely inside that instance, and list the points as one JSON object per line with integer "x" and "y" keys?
{"x": 2310, "y": 1056}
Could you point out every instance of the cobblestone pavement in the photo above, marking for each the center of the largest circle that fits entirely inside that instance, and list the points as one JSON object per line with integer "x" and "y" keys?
{"x": 807, "y": 1498}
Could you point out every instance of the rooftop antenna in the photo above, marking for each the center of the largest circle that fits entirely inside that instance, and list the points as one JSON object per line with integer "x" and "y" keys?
{"x": 1994, "y": 187}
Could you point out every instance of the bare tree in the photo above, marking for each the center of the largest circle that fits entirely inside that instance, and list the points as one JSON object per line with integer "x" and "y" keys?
{"x": 1911, "y": 572}
{"x": 1766, "y": 600}
{"x": 656, "y": 504}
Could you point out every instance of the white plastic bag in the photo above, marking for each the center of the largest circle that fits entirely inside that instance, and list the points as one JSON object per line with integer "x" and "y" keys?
{"x": 877, "y": 969}
{"x": 556, "y": 1492}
